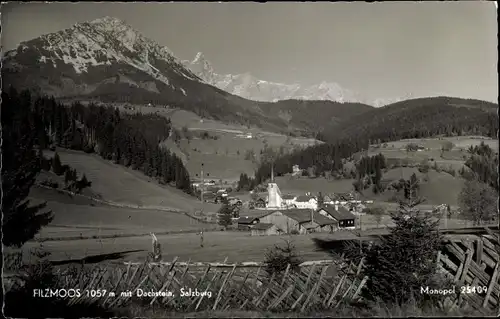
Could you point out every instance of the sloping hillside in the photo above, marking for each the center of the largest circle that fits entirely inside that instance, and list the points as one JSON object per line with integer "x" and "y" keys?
{"x": 118, "y": 184}
{"x": 425, "y": 117}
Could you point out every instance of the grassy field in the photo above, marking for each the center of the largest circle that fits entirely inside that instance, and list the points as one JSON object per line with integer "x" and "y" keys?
{"x": 236, "y": 246}
{"x": 223, "y": 158}
{"x": 226, "y": 158}
{"x": 439, "y": 188}
{"x": 123, "y": 185}
{"x": 302, "y": 185}
{"x": 77, "y": 216}
{"x": 436, "y": 187}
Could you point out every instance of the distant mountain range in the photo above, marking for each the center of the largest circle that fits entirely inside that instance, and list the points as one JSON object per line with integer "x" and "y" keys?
{"x": 249, "y": 87}
{"x": 107, "y": 60}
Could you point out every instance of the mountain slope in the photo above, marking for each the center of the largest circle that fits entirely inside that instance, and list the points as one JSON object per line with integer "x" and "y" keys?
{"x": 420, "y": 117}
{"x": 250, "y": 87}
{"x": 417, "y": 118}
{"x": 108, "y": 60}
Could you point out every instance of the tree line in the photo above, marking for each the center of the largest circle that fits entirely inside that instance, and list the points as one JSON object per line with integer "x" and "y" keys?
{"x": 131, "y": 140}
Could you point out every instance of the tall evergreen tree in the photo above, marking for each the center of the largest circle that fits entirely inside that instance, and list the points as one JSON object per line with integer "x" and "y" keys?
{"x": 405, "y": 260}
{"x": 20, "y": 167}
{"x": 57, "y": 167}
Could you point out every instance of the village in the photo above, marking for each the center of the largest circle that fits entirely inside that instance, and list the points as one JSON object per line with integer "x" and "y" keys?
{"x": 273, "y": 213}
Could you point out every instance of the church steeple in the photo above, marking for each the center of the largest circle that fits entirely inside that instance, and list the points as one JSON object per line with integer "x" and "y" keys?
{"x": 272, "y": 172}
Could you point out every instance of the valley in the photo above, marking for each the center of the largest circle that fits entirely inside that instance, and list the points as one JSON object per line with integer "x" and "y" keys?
{"x": 127, "y": 168}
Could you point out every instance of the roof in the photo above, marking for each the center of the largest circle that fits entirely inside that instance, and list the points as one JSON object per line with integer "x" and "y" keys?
{"x": 246, "y": 220}
{"x": 289, "y": 196}
{"x": 304, "y": 216}
{"x": 262, "y": 226}
{"x": 304, "y": 198}
{"x": 340, "y": 214}
{"x": 255, "y": 213}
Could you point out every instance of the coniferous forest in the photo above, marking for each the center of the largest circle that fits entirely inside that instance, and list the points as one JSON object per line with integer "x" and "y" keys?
{"x": 418, "y": 118}
{"x": 131, "y": 140}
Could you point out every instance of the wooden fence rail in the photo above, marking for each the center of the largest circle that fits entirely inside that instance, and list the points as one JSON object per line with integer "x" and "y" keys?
{"x": 471, "y": 261}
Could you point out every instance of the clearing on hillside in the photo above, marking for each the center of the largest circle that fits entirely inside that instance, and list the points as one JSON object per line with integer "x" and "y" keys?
{"x": 76, "y": 216}
{"x": 123, "y": 185}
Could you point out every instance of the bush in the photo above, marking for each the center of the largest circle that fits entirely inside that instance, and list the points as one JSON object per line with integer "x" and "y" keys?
{"x": 278, "y": 258}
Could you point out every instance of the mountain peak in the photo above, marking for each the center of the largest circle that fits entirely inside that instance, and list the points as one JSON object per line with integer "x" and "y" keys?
{"x": 200, "y": 57}
{"x": 107, "y": 20}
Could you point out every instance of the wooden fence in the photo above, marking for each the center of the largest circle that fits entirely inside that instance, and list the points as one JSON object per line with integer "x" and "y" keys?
{"x": 219, "y": 286}
{"x": 470, "y": 260}
{"x": 473, "y": 263}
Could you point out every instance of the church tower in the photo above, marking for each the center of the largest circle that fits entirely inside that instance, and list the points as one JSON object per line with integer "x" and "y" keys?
{"x": 274, "y": 194}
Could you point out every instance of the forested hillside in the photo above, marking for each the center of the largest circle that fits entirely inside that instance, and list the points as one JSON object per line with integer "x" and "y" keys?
{"x": 131, "y": 140}
{"x": 417, "y": 118}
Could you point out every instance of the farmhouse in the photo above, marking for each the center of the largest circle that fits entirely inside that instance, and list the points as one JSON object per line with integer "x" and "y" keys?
{"x": 328, "y": 199}
{"x": 263, "y": 229}
{"x": 296, "y": 170}
{"x": 247, "y": 222}
{"x": 289, "y": 200}
{"x": 306, "y": 201}
{"x": 341, "y": 215}
{"x": 308, "y": 221}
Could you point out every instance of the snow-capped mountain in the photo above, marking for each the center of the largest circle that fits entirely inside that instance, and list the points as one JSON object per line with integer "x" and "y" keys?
{"x": 105, "y": 50}
{"x": 250, "y": 87}
{"x": 107, "y": 60}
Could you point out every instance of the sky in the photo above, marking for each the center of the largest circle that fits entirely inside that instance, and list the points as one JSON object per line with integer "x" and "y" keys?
{"x": 380, "y": 50}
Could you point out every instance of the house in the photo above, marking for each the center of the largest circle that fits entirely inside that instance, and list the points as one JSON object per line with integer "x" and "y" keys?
{"x": 247, "y": 222}
{"x": 288, "y": 200}
{"x": 296, "y": 170}
{"x": 263, "y": 229}
{"x": 306, "y": 201}
{"x": 358, "y": 208}
{"x": 327, "y": 199}
{"x": 308, "y": 220}
{"x": 300, "y": 221}
{"x": 259, "y": 203}
{"x": 344, "y": 218}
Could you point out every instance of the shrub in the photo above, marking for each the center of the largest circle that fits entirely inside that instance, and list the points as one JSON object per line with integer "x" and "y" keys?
{"x": 278, "y": 258}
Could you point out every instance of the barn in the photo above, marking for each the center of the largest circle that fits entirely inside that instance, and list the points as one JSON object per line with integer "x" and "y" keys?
{"x": 345, "y": 219}
{"x": 299, "y": 221}
{"x": 309, "y": 221}
{"x": 247, "y": 222}
{"x": 263, "y": 229}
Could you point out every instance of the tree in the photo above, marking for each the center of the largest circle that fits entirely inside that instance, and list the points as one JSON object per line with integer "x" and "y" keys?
{"x": 478, "y": 201}
{"x": 57, "y": 167}
{"x": 405, "y": 260}
{"x": 278, "y": 258}
{"x": 321, "y": 200}
{"x": 411, "y": 188}
{"x": 411, "y": 147}
{"x": 20, "y": 167}
{"x": 224, "y": 215}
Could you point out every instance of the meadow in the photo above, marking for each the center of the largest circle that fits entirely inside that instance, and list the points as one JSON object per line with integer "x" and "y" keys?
{"x": 437, "y": 187}
{"x": 119, "y": 184}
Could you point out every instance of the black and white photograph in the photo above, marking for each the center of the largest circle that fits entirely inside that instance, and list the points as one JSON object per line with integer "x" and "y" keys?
{"x": 250, "y": 160}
